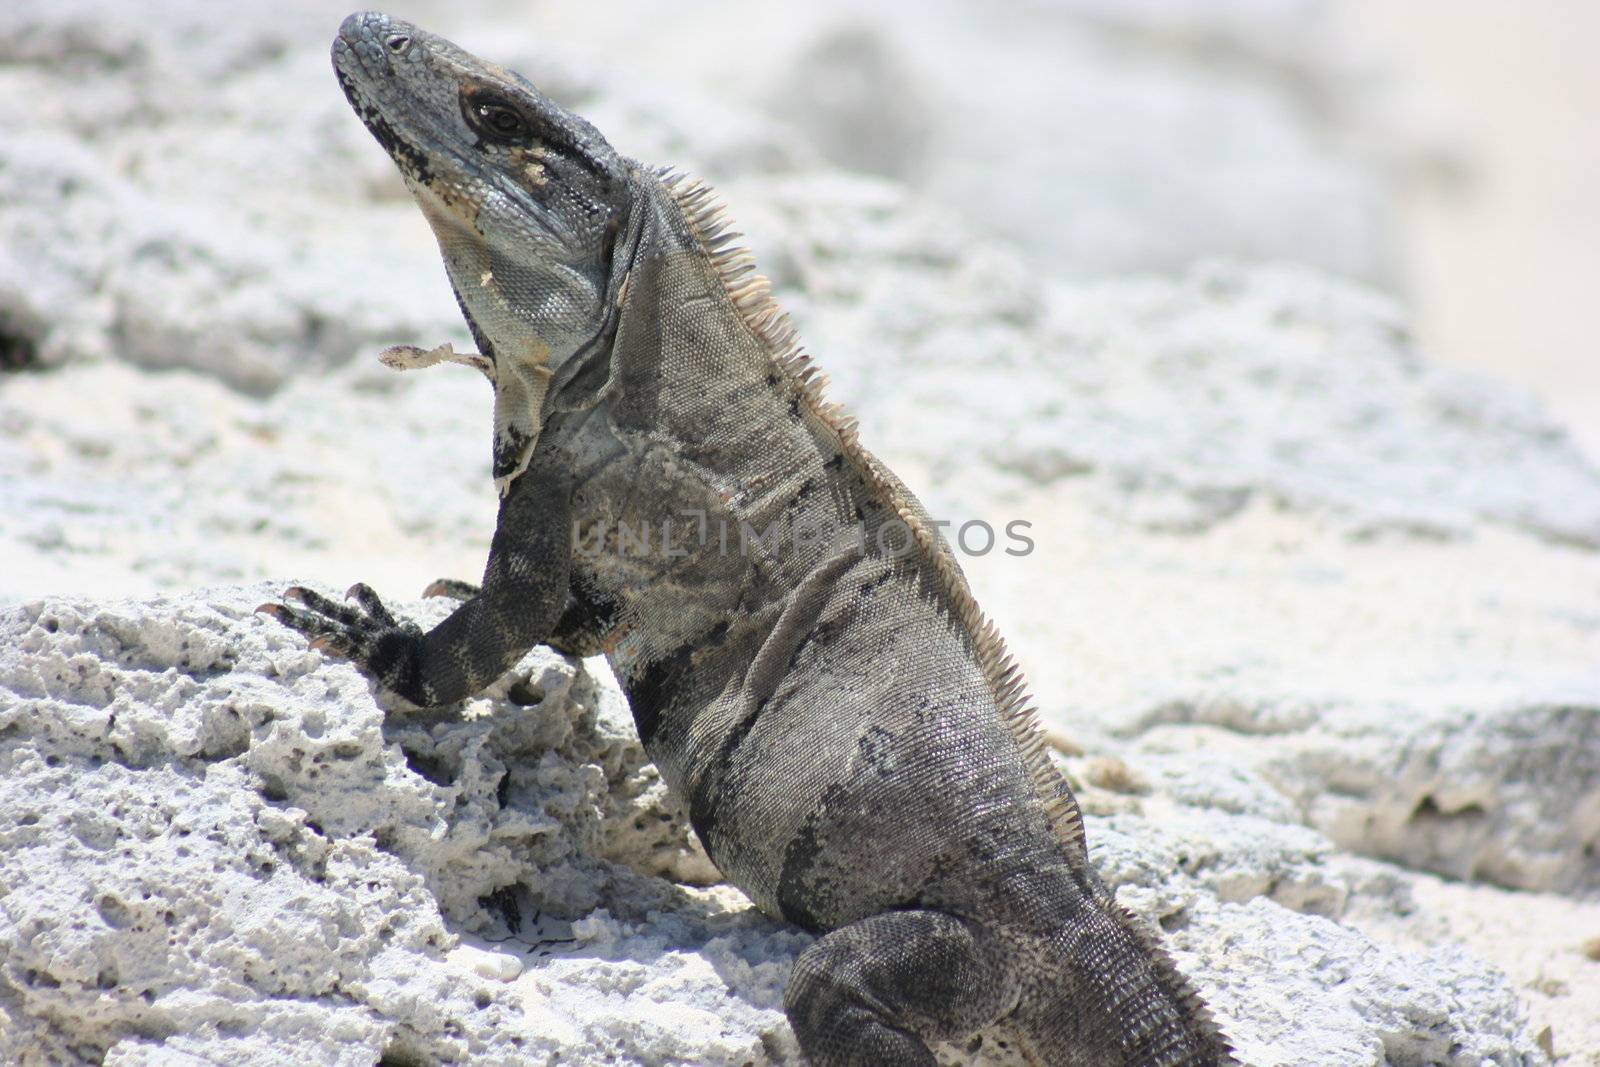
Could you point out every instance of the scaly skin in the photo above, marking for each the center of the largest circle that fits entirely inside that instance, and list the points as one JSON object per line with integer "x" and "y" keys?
{"x": 803, "y": 657}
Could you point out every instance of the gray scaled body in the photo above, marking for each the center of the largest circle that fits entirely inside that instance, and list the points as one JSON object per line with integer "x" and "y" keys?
{"x": 803, "y": 658}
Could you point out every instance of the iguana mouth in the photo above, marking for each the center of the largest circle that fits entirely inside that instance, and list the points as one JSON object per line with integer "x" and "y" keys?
{"x": 412, "y": 161}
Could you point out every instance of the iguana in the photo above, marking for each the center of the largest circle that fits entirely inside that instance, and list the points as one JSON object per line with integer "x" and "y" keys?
{"x": 803, "y": 657}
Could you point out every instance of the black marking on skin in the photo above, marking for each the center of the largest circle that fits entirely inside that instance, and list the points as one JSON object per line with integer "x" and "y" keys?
{"x": 797, "y": 501}
{"x": 794, "y": 895}
{"x": 877, "y": 748}
{"x": 835, "y": 461}
{"x": 652, "y": 688}
{"x": 871, "y": 585}
{"x": 587, "y": 620}
{"x": 508, "y": 450}
{"x": 351, "y": 93}
{"x": 411, "y": 160}
{"x": 794, "y": 408}
{"x": 569, "y": 151}
{"x": 820, "y": 634}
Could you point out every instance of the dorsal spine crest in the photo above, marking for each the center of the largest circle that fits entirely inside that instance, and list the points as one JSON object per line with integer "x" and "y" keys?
{"x": 750, "y": 294}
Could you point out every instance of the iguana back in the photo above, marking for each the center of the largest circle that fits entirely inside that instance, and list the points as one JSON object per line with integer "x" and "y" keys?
{"x": 804, "y": 659}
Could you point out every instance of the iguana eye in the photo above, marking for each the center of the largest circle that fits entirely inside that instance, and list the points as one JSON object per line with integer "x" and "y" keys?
{"x": 502, "y": 120}
{"x": 496, "y": 119}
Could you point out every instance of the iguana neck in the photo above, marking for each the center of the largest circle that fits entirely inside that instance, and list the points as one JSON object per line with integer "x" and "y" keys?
{"x": 675, "y": 294}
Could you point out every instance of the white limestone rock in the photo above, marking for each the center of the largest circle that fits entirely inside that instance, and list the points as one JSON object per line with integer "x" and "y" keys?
{"x": 217, "y": 846}
{"x": 182, "y": 185}
{"x": 1506, "y": 793}
{"x": 1185, "y": 400}
{"x": 1100, "y": 137}
{"x": 113, "y": 478}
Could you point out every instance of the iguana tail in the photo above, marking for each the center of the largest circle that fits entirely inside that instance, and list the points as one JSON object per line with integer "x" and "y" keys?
{"x": 1120, "y": 1000}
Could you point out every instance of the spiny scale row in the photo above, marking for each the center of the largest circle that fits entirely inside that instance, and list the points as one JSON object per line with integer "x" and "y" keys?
{"x": 751, "y": 295}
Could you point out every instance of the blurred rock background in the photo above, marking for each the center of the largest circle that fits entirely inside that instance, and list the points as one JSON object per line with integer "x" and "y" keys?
{"x": 1501, "y": 252}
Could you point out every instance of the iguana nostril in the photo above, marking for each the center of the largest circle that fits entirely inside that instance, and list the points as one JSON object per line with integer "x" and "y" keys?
{"x": 398, "y": 43}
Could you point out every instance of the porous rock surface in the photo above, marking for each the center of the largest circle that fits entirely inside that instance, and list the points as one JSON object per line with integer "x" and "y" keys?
{"x": 218, "y": 843}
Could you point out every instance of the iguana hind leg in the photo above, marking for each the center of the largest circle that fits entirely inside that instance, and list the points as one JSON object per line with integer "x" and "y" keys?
{"x": 880, "y": 989}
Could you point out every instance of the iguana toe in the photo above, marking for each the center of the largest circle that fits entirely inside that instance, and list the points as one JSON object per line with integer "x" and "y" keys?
{"x": 330, "y": 644}
{"x": 363, "y": 594}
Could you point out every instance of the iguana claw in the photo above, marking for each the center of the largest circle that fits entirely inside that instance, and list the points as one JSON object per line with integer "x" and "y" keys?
{"x": 348, "y": 631}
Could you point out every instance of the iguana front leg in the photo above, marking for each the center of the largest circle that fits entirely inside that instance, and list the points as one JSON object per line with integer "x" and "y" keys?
{"x": 523, "y": 594}
{"x": 580, "y": 631}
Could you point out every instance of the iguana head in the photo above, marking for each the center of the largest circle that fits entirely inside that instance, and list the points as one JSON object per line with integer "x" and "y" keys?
{"x": 527, "y": 201}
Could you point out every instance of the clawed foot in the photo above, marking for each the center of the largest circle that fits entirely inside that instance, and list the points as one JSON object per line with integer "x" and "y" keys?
{"x": 360, "y": 633}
